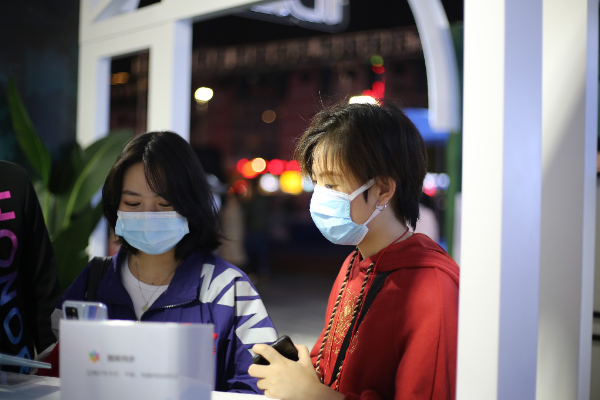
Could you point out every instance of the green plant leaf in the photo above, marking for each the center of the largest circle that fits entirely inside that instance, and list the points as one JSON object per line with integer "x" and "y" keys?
{"x": 65, "y": 170}
{"x": 97, "y": 160}
{"x": 29, "y": 142}
{"x": 70, "y": 245}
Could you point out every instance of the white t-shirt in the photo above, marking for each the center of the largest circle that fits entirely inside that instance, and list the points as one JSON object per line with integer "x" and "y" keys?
{"x": 134, "y": 287}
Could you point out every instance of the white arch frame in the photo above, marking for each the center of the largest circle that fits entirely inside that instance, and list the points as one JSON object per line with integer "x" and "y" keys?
{"x": 112, "y": 28}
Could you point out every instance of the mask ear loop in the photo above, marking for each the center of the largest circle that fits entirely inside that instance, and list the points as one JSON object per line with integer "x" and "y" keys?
{"x": 361, "y": 189}
{"x": 378, "y": 209}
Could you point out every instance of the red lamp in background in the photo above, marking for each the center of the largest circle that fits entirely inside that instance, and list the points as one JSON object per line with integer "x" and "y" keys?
{"x": 240, "y": 186}
{"x": 247, "y": 171}
{"x": 250, "y": 169}
{"x": 240, "y": 165}
{"x": 276, "y": 167}
{"x": 292, "y": 166}
{"x": 378, "y": 69}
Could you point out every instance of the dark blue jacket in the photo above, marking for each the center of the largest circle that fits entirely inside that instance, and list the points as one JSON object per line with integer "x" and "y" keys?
{"x": 204, "y": 289}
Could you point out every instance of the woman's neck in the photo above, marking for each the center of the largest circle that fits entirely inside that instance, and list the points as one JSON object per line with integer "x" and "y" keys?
{"x": 153, "y": 269}
{"x": 381, "y": 234}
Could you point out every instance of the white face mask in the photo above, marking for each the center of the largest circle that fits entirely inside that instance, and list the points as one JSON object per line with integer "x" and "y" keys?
{"x": 152, "y": 232}
{"x": 330, "y": 211}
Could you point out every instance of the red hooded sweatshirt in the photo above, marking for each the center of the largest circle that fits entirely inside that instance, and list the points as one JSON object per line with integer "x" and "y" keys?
{"x": 405, "y": 346}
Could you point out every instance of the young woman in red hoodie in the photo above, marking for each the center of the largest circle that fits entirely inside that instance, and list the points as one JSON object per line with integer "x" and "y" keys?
{"x": 391, "y": 322}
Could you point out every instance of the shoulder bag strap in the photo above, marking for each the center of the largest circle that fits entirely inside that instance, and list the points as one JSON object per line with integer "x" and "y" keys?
{"x": 98, "y": 268}
{"x": 373, "y": 290}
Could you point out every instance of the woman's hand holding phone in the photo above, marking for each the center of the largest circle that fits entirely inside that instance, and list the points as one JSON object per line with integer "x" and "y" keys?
{"x": 284, "y": 346}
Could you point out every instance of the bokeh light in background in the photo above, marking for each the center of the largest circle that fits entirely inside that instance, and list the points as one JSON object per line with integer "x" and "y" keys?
{"x": 379, "y": 88}
{"x": 292, "y": 166}
{"x": 429, "y": 185}
{"x": 434, "y": 182}
{"x": 377, "y": 64}
{"x": 259, "y": 165}
{"x": 376, "y": 60}
{"x": 119, "y": 78}
{"x": 269, "y": 183}
{"x": 269, "y": 116}
{"x": 280, "y": 175}
{"x": 240, "y": 187}
{"x": 203, "y": 94}
{"x": 307, "y": 185}
{"x": 442, "y": 181}
{"x": 247, "y": 171}
{"x": 378, "y": 69}
{"x": 291, "y": 182}
{"x": 362, "y": 100}
{"x": 240, "y": 164}
{"x": 276, "y": 167}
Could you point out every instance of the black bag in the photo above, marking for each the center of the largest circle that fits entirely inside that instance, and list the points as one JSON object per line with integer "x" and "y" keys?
{"x": 98, "y": 268}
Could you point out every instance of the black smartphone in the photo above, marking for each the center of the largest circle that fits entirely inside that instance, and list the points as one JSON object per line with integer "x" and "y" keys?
{"x": 284, "y": 346}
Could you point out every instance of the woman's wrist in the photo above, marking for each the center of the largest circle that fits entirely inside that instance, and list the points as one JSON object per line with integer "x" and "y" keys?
{"x": 323, "y": 392}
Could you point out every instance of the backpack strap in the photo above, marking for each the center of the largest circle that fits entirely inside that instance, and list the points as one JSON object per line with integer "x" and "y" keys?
{"x": 97, "y": 270}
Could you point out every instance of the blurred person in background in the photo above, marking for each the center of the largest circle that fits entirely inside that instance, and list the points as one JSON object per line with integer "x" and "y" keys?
{"x": 28, "y": 273}
{"x": 232, "y": 220}
{"x": 228, "y": 205}
{"x": 256, "y": 213}
{"x": 391, "y": 321}
{"x": 428, "y": 223}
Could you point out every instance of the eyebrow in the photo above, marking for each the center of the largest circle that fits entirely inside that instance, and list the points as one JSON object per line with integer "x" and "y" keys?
{"x": 327, "y": 174}
{"x": 132, "y": 193}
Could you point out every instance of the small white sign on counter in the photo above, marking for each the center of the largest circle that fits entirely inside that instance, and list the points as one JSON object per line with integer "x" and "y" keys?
{"x": 107, "y": 360}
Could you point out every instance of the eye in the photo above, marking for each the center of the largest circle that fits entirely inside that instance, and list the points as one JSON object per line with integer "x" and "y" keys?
{"x": 329, "y": 186}
{"x": 165, "y": 205}
{"x": 131, "y": 204}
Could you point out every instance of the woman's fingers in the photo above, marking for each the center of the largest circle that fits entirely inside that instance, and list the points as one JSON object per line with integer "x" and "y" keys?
{"x": 269, "y": 353}
{"x": 304, "y": 355}
{"x": 258, "y": 371}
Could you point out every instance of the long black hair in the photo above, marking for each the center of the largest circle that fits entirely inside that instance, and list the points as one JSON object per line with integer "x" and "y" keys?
{"x": 173, "y": 171}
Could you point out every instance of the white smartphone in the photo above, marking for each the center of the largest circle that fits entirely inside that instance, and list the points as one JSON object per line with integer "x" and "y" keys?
{"x": 85, "y": 310}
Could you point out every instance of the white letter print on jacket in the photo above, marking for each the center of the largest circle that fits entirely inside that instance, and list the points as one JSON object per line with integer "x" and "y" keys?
{"x": 255, "y": 308}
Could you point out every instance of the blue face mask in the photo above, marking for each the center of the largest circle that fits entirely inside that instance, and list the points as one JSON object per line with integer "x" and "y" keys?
{"x": 152, "y": 232}
{"x": 330, "y": 211}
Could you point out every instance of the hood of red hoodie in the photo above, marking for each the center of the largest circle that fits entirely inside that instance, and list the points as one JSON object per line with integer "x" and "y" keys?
{"x": 418, "y": 251}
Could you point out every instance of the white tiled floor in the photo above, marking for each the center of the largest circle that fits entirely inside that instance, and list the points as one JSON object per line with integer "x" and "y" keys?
{"x": 296, "y": 304}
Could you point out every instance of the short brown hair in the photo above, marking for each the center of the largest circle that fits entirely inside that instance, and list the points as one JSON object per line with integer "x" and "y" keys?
{"x": 368, "y": 141}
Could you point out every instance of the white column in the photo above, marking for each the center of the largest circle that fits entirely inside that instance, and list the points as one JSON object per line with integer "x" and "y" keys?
{"x": 440, "y": 60}
{"x": 93, "y": 120}
{"x": 501, "y": 200}
{"x": 169, "y": 78}
{"x": 570, "y": 85}
{"x": 93, "y": 97}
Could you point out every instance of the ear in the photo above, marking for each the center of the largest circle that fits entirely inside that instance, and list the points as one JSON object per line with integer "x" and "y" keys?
{"x": 387, "y": 188}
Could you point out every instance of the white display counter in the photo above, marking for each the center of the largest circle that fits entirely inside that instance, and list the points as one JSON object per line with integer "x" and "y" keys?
{"x": 26, "y": 387}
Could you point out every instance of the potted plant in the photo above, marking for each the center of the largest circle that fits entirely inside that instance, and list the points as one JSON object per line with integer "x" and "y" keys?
{"x": 66, "y": 188}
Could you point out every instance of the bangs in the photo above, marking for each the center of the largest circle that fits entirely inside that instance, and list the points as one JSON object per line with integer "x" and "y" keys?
{"x": 329, "y": 156}
{"x": 156, "y": 179}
